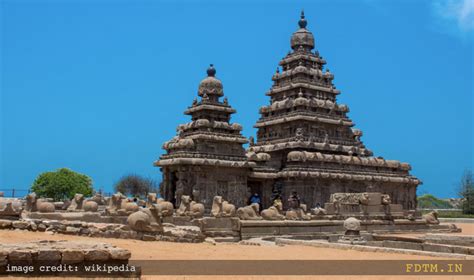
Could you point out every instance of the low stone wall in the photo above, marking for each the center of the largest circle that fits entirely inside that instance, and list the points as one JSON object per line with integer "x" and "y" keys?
{"x": 374, "y": 246}
{"x": 250, "y": 229}
{"x": 457, "y": 220}
{"x": 191, "y": 234}
{"x": 91, "y": 217}
{"x": 60, "y": 258}
{"x": 440, "y": 248}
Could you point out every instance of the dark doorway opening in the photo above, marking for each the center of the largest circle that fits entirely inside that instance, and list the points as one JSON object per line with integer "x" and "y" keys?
{"x": 173, "y": 181}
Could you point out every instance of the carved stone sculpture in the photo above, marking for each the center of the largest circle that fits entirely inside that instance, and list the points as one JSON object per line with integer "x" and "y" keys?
{"x": 145, "y": 220}
{"x": 431, "y": 218}
{"x": 120, "y": 205}
{"x": 99, "y": 199}
{"x": 386, "y": 201}
{"x": 250, "y": 212}
{"x": 151, "y": 199}
{"x": 190, "y": 208}
{"x": 297, "y": 214}
{"x": 33, "y": 204}
{"x": 129, "y": 206}
{"x": 352, "y": 233}
{"x": 222, "y": 208}
{"x": 115, "y": 203}
{"x": 90, "y": 206}
{"x": 76, "y": 203}
{"x": 363, "y": 202}
{"x": 273, "y": 212}
{"x": 165, "y": 208}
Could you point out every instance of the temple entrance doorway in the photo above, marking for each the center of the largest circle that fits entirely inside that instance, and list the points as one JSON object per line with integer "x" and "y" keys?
{"x": 173, "y": 181}
{"x": 254, "y": 187}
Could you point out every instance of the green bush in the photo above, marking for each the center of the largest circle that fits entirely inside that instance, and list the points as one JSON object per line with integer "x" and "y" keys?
{"x": 428, "y": 201}
{"x": 135, "y": 185}
{"x": 466, "y": 191}
{"x": 62, "y": 184}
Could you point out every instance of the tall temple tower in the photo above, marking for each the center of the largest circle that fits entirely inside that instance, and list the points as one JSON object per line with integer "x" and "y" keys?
{"x": 206, "y": 158}
{"x": 312, "y": 146}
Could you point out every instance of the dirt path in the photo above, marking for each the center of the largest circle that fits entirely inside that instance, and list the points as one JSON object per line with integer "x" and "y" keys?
{"x": 142, "y": 250}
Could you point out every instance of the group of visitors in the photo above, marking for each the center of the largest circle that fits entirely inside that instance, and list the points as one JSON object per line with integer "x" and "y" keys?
{"x": 294, "y": 200}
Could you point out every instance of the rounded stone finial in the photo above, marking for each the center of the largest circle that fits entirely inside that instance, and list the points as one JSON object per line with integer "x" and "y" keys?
{"x": 210, "y": 85}
{"x": 352, "y": 224}
{"x": 302, "y": 22}
{"x": 300, "y": 93}
{"x": 211, "y": 71}
{"x": 302, "y": 39}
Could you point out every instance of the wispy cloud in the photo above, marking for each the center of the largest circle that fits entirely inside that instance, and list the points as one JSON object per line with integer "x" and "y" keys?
{"x": 454, "y": 15}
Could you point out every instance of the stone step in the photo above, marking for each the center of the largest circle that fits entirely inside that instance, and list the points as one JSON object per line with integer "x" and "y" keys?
{"x": 226, "y": 239}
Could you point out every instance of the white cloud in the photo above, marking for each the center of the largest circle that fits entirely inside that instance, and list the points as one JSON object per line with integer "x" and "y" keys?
{"x": 455, "y": 13}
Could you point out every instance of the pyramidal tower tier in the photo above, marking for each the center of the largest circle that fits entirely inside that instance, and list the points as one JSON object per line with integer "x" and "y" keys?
{"x": 206, "y": 158}
{"x": 310, "y": 143}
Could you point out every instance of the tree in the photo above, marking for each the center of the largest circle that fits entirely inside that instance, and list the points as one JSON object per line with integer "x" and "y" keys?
{"x": 135, "y": 185}
{"x": 429, "y": 201}
{"x": 62, "y": 184}
{"x": 466, "y": 191}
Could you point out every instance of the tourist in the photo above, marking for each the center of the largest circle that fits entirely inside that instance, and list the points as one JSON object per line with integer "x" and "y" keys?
{"x": 294, "y": 201}
{"x": 255, "y": 198}
{"x": 277, "y": 199}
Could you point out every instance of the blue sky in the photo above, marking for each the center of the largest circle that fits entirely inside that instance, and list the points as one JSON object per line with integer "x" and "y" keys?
{"x": 98, "y": 86}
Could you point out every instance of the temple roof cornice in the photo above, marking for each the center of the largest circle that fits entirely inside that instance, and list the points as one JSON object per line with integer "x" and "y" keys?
{"x": 309, "y": 145}
{"x": 210, "y": 107}
{"x": 299, "y": 117}
{"x": 203, "y": 161}
{"x": 278, "y": 89}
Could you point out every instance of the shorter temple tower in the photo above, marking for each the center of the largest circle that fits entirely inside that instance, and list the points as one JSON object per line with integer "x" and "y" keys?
{"x": 206, "y": 158}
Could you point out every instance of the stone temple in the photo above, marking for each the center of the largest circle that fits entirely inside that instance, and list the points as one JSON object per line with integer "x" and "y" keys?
{"x": 305, "y": 143}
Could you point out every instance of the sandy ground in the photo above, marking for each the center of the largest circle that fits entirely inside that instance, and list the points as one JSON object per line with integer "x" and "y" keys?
{"x": 142, "y": 250}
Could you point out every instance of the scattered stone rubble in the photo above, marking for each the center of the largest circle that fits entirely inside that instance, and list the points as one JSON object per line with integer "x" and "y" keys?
{"x": 170, "y": 232}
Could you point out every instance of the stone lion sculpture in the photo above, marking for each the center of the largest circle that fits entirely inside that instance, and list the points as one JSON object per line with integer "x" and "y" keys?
{"x": 115, "y": 202}
{"x": 273, "y": 212}
{"x": 129, "y": 206}
{"x": 76, "y": 203}
{"x": 431, "y": 218}
{"x": 120, "y": 205}
{"x": 190, "y": 208}
{"x": 33, "y": 204}
{"x": 386, "y": 201}
{"x": 90, "y": 206}
{"x": 297, "y": 214}
{"x": 151, "y": 199}
{"x": 222, "y": 208}
{"x": 363, "y": 203}
{"x": 165, "y": 208}
{"x": 99, "y": 199}
{"x": 249, "y": 212}
{"x": 145, "y": 220}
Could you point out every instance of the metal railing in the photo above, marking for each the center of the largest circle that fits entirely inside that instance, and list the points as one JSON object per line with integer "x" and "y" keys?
{"x": 19, "y": 193}
{"x": 14, "y": 193}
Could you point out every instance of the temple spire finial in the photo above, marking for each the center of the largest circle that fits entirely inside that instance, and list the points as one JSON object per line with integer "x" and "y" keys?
{"x": 211, "y": 71}
{"x": 302, "y": 22}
